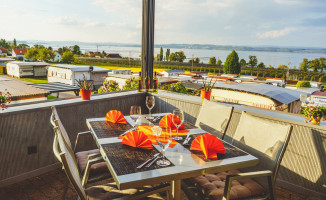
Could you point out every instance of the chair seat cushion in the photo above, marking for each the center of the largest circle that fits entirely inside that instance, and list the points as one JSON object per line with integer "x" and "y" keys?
{"x": 213, "y": 185}
{"x": 110, "y": 191}
{"x": 97, "y": 168}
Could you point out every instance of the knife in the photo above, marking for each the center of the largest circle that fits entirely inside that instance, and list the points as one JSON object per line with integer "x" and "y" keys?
{"x": 187, "y": 139}
{"x": 147, "y": 161}
{"x": 127, "y": 131}
{"x": 150, "y": 164}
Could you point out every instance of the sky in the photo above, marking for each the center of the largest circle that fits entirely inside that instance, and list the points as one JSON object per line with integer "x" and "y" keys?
{"x": 295, "y": 23}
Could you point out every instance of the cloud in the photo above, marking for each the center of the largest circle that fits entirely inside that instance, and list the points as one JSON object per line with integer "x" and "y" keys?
{"x": 75, "y": 21}
{"x": 290, "y": 2}
{"x": 124, "y": 7}
{"x": 275, "y": 33}
{"x": 227, "y": 27}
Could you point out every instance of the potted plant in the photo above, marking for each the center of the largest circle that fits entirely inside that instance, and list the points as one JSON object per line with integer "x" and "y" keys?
{"x": 85, "y": 88}
{"x": 313, "y": 114}
{"x": 207, "y": 91}
{"x": 5, "y": 99}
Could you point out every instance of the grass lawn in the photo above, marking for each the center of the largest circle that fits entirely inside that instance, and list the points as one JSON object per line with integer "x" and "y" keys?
{"x": 35, "y": 80}
{"x": 51, "y": 97}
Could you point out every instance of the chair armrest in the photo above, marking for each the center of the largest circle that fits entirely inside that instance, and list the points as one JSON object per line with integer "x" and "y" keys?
{"x": 79, "y": 135}
{"x": 93, "y": 155}
{"x": 88, "y": 168}
{"x": 232, "y": 177}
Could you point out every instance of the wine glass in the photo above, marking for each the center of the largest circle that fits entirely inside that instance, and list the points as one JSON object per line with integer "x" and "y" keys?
{"x": 164, "y": 140}
{"x": 177, "y": 120}
{"x": 150, "y": 103}
{"x": 135, "y": 112}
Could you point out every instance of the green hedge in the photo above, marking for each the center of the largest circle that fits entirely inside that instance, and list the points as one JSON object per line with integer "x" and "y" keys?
{"x": 303, "y": 84}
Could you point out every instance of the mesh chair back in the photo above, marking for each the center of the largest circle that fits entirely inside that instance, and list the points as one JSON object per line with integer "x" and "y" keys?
{"x": 61, "y": 127}
{"x": 214, "y": 117}
{"x": 264, "y": 139}
{"x": 70, "y": 166}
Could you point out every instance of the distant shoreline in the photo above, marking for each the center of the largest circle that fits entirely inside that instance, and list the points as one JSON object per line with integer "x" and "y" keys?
{"x": 187, "y": 46}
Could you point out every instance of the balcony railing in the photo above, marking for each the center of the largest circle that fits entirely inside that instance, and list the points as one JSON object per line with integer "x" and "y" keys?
{"x": 26, "y": 136}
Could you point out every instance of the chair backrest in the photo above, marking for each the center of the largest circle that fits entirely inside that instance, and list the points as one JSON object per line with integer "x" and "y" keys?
{"x": 264, "y": 139}
{"x": 70, "y": 166}
{"x": 214, "y": 117}
{"x": 55, "y": 117}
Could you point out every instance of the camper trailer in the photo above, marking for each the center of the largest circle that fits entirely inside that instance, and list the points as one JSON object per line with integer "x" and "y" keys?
{"x": 68, "y": 74}
{"x": 27, "y": 69}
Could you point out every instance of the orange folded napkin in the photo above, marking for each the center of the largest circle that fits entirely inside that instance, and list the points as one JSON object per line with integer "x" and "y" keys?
{"x": 147, "y": 130}
{"x": 166, "y": 122}
{"x": 115, "y": 116}
{"x": 137, "y": 139}
{"x": 209, "y": 144}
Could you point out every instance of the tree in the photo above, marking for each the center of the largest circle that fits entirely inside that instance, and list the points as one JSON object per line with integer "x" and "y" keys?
{"x": 159, "y": 56}
{"x": 322, "y": 63}
{"x": 219, "y": 63}
{"x": 304, "y": 65}
{"x": 50, "y": 48}
{"x": 76, "y": 50}
{"x": 232, "y": 65}
{"x": 38, "y": 46}
{"x": 31, "y": 54}
{"x": 4, "y": 44}
{"x": 177, "y": 56}
{"x": 282, "y": 67}
{"x": 253, "y": 61}
{"x": 270, "y": 66}
{"x": 261, "y": 65}
{"x": 243, "y": 63}
{"x": 22, "y": 46}
{"x": 14, "y": 43}
{"x": 167, "y": 54}
{"x": 212, "y": 60}
{"x": 68, "y": 57}
{"x": 314, "y": 64}
{"x": 45, "y": 54}
{"x": 196, "y": 60}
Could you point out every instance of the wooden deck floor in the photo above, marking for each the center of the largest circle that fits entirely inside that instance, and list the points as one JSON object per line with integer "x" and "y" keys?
{"x": 55, "y": 186}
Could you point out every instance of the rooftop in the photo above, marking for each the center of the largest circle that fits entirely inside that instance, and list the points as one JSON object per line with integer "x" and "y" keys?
{"x": 77, "y": 68}
{"x": 20, "y": 63}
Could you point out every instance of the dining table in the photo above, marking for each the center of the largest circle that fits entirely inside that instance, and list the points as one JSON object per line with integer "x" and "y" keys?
{"x": 122, "y": 160}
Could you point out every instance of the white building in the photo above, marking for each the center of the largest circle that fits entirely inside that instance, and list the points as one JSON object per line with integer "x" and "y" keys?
{"x": 170, "y": 73}
{"x": 19, "y": 53}
{"x": 57, "y": 57}
{"x": 20, "y": 69}
{"x": 68, "y": 74}
{"x": 121, "y": 71}
{"x": 4, "y": 61}
{"x": 3, "y": 51}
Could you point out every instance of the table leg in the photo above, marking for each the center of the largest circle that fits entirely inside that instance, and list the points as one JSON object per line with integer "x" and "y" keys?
{"x": 176, "y": 189}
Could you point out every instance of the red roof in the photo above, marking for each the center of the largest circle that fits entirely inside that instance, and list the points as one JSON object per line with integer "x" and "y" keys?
{"x": 319, "y": 93}
{"x": 3, "y": 50}
{"x": 20, "y": 51}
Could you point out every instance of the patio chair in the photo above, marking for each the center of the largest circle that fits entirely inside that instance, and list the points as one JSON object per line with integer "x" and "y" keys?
{"x": 261, "y": 137}
{"x": 107, "y": 191}
{"x": 98, "y": 170}
{"x": 214, "y": 118}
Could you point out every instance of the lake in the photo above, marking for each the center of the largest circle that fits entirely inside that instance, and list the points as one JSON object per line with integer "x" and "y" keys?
{"x": 268, "y": 58}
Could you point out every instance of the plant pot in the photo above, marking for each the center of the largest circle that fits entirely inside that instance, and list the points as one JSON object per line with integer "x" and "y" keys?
{"x": 85, "y": 94}
{"x": 205, "y": 95}
{"x": 315, "y": 121}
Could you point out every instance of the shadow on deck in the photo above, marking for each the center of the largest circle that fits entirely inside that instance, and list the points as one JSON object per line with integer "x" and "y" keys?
{"x": 55, "y": 186}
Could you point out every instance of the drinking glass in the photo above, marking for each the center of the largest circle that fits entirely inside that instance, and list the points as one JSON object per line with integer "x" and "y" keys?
{"x": 177, "y": 121}
{"x": 150, "y": 103}
{"x": 135, "y": 112}
{"x": 164, "y": 140}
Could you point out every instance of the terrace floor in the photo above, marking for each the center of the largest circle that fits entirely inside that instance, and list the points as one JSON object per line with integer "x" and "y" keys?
{"x": 55, "y": 186}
